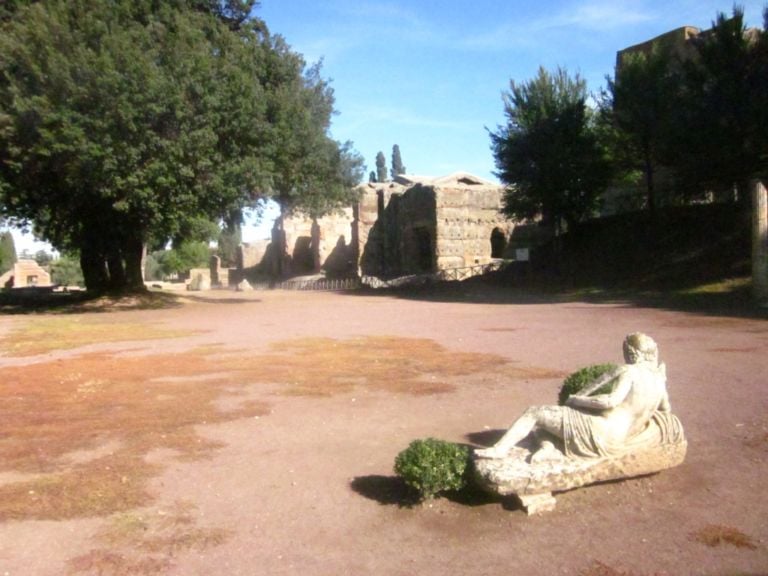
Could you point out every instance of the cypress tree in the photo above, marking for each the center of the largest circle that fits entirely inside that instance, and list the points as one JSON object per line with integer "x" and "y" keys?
{"x": 397, "y": 162}
{"x": 381, "y": 167}
{"x": 7, "y": 252}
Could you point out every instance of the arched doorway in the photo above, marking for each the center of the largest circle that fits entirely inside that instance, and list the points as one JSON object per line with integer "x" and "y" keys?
{"x": 498, "y": 243}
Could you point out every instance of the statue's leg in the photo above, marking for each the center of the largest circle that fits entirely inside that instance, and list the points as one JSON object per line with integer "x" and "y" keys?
{"x": 549, "y": 418}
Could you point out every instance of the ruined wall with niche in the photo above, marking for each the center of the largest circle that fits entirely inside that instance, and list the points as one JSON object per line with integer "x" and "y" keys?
{"x": 25, "y": 274}
{"x": 418, "y": 224}
{"x": 470, "y": 226}
{"x": 327, "y": 244}
{"x": 407, "y": 226}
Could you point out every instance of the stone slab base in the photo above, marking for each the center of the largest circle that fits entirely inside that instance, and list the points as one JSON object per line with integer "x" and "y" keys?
{"x": 533, "y": 479}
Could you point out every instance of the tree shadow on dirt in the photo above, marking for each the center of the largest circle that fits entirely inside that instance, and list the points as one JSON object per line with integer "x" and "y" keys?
{"x": 39, "y": 301}
{"x": 44, "y": 301}
{"x": 736, "y": 302}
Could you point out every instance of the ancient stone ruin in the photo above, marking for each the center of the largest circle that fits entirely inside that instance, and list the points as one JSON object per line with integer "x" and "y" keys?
{"x": 25, "y": 273}
{"x": 411, "y": 225}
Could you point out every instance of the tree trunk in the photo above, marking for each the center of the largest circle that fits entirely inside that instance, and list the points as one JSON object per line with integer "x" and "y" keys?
{"x": 94, "y": 269}
{"x": 315, "y": 246}
{"x": 117, "y": 277}
{"x": 759, "y": 241}
{"x": 134, "y": 253}
{"x": 650, "y": 184}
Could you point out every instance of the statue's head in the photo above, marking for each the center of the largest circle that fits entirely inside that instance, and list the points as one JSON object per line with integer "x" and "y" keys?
{"x": 639, "y": 347}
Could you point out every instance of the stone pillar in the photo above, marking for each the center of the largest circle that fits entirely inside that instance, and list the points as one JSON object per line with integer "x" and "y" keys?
{"x": 215, "y": 266}
{"x": 759, "y": 241}
{"x": 316, "y": 237}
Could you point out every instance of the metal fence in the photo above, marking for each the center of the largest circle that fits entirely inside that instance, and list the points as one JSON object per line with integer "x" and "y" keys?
{"x": 338, "y": 284}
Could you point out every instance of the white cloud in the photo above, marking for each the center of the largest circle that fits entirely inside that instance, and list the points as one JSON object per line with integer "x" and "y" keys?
{"x": 357, "y": 116}
{"x": 602, "y": 15}
{"x": 379, "y": 12}
{"x": 545, "y": 28}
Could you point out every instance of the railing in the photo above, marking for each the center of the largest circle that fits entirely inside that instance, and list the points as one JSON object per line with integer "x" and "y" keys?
{"x": 337, "y": 284}
{"x": 445, "y": 275}
{"x": 317, "y": 284}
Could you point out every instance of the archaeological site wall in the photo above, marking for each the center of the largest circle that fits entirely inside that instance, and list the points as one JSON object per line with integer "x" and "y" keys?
{"x": 408, "y": 226}
{"x": 418, "y": 224}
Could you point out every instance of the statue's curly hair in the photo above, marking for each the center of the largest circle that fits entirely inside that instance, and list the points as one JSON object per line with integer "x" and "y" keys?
{"x": 640, "y": 346}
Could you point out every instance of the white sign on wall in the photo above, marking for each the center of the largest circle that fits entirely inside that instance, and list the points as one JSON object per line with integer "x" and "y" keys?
{"x": 522, "y": 254}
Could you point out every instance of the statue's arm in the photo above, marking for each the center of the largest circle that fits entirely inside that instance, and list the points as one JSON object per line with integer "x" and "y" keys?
{"x": 602, "y": 381}
{"x": 602, "y": 401}
{"x": 664, "y": 405}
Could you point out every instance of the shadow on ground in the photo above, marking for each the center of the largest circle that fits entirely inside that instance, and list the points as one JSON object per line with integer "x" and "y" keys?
{"x": 39, "y": 301}
{"x": 386, "y": 490}
{"x": 207, "y": 300}
{"x": 734, "y": 302}
{"x": 485, "y": 437}
{"x": 393, "y": 491}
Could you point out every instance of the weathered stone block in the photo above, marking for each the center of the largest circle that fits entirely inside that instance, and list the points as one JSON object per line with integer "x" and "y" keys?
{"x": 533, "y": 479}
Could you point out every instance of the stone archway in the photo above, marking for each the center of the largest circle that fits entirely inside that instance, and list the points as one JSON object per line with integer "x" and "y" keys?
{"x": 498, "y": 243}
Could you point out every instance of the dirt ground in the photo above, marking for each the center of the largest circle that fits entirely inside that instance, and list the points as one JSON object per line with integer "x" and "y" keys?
{"x": 297, "y": 404}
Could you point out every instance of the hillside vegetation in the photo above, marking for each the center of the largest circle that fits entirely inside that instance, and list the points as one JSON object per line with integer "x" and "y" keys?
{"x": 683, "y": 248}
{"x": 691, "y": 257}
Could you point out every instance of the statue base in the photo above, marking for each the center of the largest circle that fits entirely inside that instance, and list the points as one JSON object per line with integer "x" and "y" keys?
{"x": 532, "y": 476}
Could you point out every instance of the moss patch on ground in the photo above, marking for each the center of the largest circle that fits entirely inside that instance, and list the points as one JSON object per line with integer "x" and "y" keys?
{"x": 46, "y": 334}
{"x": 82, "y": 426}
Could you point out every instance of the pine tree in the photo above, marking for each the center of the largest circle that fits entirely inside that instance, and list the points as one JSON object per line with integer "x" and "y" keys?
{"x": 397, "y": 162}
{"x": 381, "y": 167}
{"x": 7, "y": 252}
{"x": 548, "y": 152}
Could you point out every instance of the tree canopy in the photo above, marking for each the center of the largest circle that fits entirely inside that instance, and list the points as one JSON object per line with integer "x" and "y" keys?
{"x": 381, "y": 167}
{"x": 699, "y": 111}
{"x": 639, "y": 105}
{"x": 722, "y": 102}
{"x": 397, "y": 162}
{"x": 7, "y": 252}
{"x": 123, "y": 121}
{"x": 548, "y": 152}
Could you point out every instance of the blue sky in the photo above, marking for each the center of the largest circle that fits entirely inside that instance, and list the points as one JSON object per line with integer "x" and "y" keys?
{"x": 428, "y": 74}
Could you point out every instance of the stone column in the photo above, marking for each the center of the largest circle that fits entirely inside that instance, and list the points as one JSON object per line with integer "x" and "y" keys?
{"x": 759, "y": 241}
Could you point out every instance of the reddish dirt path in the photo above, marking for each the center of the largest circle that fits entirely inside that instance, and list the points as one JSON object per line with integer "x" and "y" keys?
{"x": 308, "y": 488}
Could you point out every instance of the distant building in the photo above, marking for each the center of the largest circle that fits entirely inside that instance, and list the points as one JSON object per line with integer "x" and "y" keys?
{"x": 410, "y": 225}
{"x": 25, "y": 274}
{"x": 681, "y": 43}
{"x": 419, "y": 224}
{"x": 677, "y": 41}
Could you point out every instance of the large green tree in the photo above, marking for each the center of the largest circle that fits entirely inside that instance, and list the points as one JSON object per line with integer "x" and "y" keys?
{"x": 123, "y": 122}
{"x": 640, "y": 102}
{"x": 720, "y": 120}
{"x": 548, "y": 153}
{"x": 120, "y": 121}
{"x": 7, "y": 252}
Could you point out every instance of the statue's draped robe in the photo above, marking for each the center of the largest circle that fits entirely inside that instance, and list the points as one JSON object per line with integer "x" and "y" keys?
{"x": 581, "y": 439}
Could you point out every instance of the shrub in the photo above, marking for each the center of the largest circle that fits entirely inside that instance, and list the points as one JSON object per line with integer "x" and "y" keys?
{"x": 579, "y": 379}
{"x": 65, "y": 271}
{"x": 431, "y": 466}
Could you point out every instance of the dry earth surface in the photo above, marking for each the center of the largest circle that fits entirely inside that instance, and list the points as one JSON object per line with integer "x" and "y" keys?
{"x": 255, "y": 434}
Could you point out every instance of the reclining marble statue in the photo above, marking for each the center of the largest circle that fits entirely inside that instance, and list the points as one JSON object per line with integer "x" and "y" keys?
{"x": 628, "y": 431}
